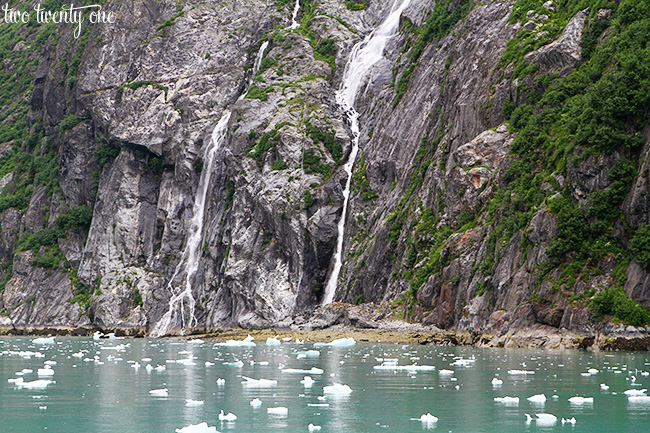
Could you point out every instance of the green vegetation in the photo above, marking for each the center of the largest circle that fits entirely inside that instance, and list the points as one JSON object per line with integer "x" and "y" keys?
{"x": 137, "y": 84}
{"x": 354, "y": 6}
{"x": 267, "y": 141}
{"x": 325, "y": 49}
{"x": 137, "y": 297}
{"x": 641, "y": 245}
{"x": 312, "y": 164}
{"x": 616, "y": 303}
{"x": 361, "y": 183}
{"x": 308, "y": 199}
{"x": 170, "y": 22}
{"x": 327, "y": 138}
{"x": 445, "y": 15}
{"x": 76, "y": 218}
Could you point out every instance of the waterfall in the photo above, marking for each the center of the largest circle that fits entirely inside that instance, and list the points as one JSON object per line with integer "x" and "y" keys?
{"x": 182, "y": 305}
{"x": 364, "y": 56}
{"x": 295, "y": 24}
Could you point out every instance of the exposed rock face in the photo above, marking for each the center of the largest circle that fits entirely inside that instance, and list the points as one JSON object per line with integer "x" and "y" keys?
{"x": 152, "y": 87}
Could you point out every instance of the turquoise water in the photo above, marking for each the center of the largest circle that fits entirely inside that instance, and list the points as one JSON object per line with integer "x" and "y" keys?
{"x": 102, "y": 392}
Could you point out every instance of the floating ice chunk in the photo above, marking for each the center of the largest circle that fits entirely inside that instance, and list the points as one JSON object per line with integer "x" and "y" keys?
{"x": 318, "y": 404}
{"x": 35, "y": 384}
{"x": 307, "y": 381}
{"x": 208, "y": 363}
{"x": 569, "y": 421}
{"x": 110, "y": 336}
{"x": 538, "y": 398}
{"x": 581, "y": 400}
{"x": 119, "y": 347}
{"x": 300, "y": 341}
{"x": 413, "y": 367}
{"x": 256, "y": 403}
{"x": 426, "y": 418}
{"x": 16, "y": 380}
{"x": 136, "y": 365}
{"x": 246, "y": 342}
{"x": 313, "y": 370}
{"x": 635, "y": 392}
{"x": 278, "y": 411}
{"x": 520, "y": 372}
{"x": 43, "y": 340}
{"x": 311, "y": 427}
{"x": 545, "y": 419}
{"x": 638, "y": 399}
{"x": 301, "y": 356}
{"x": 585, "y": 374}
{"x": 341, "y": 342}
{"x": 42, "y": 407}
{"x": 26, "y": 371}
{"x": 97, "y": 335}
{"x": 197, "y": 428}
{"x": 196, "y": 341}
{"x": 286, "y": 339}
{"x": 238, "y": 364}
{"x": 604, "y": 386}
{"x": 497, "y": 382}
{"x": 249, "y": 381}
{"x": 50, "y": 362}
{"x": 193, "y": 403}
{"x": 338, "y": 389}
{"x": 149, "y": 368}
{"x": 273, "y": 341}
{"x": 308, "y": 354}
{"x": 510, "y": 401}
{"x": 592, "y": 371}
{"x": 446, "y": 372}
{"x": 230, "y": 417}
{"x": 78, "y": 355}
{"x": 45, "y": 372}
{"x": 163, "y": 392}
{"x": 160, "y": 368}
{"x": 221, "y": 381}
{"x": 463, "y": 362}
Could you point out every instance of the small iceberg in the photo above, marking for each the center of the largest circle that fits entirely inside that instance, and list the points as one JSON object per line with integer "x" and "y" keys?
{"x": 426, "y": 418}
{"x": 510, "y": 401}
{"x": 592, "y": 371}
{"x": 446, "y": 372}
{"x": 197, "y": 428}
{"x": 538, "y": 398}
{"x": 249, "y": 381}
{"x": 44, "y": 340}
{"x": 307, "y": 381}
{"x": 463, "y": 362}
{"x": 163, "y": 392}
{"x": 313, "y": 370}
{"x": 635, "y": 392}
{"x": 230, "y": 417}
{"x": 604, "y": 386}
{"x": 45, "y": 372}
{"x": 307, "y": 354}
{"x": 221, "y": 381}
{"x": 581, "y": 400}
{"x": 311, "y": 427}
{"x": 639, "y": 399}
{"x": 337, "y": 389}
{"x": 414, "y": 367}
{"x": 246, "y": 342}
{"x": 278, "y": 411}
{"x": 571, "y": 421}
{"x": 543, "y": 419}
{"x": 256, "y": 403}
{"x": 520, "y": 372}
{"x": 193, "y": 403}
{"x": 34, "y": 384}
{"x": 497, "y": 382}
{"x": 273, "y": 341}
{"x": 238, "y": 364}
{"x": 196, "y": 341}
{"x": 341, "y": 342}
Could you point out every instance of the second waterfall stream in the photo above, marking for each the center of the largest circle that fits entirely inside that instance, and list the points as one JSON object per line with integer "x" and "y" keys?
{"x": 182, "y": 304}
{"x": 364, "y": 56}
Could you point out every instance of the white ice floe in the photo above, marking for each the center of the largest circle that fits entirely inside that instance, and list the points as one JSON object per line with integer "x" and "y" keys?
{"x": 193, "y": 403}
{"x": 311, "y": 427}
{"x": 307, "y": 381}
{"x": 639, "y": 399}
{"x": 209, "y": 364}
{"x": 273, "y": 341}
{"x": 249, "y": 381}
{"x": 426, "y": 418}
{"x": 78, "y": 355}
{"x": 221, "y": 381}
{"x": 571, "y": 421}
{"x": 196, "y": 341}
{"x": 246, "y": 342}
{"x": 227, "y": 416}
{"x": 318, "y": 404}
{"x": 337, "y": 389}
{"x": 50, "y": 363}
{"x": 256, "y": 403}
{"x": 592, "y": 371}
{"x": 34, "y": 384}
{"x": 510, "y": 401}
{"x": 97, "y": 335}
{"x": 635, "y": 392}
{"x": 446, "y": 372}
{"x": 45, "y": 372}
{"x": 581, "y": 400}
{"x": 313, "y": 370}
{"x": 163, "y": 392}
{"x": 520, "y": 372}
{"x": 278, "y": 411}
{"x": 287, "y": 339}
{"x": 412, "y": 367}
{"x": 146, "y": 360}
{"x": 44, "y": 340}
{"x": 307, "y": 354}
{"x": 604, "y": 386}
{"x": 341, "y": 342}
{"x": 197, "y": 428}
{"x": 543, "y": 419}
{"x": 497, "y": 382}
{"x": 538, "y": 398}
{"x": 463, "y": 362}
{"x": 238, "y": 364}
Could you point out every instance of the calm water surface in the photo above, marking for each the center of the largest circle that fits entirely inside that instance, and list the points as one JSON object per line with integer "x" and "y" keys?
{"x": 98, "y": 390}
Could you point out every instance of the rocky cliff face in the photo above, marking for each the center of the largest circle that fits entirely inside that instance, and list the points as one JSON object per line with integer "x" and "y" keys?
{"x": 444, "y": 224}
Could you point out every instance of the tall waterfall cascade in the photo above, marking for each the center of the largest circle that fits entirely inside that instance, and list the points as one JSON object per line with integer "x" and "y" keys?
{"x": 182, "y": 305}
{"x": 364, "y": 56}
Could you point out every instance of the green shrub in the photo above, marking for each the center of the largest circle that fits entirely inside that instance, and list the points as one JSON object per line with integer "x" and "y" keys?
{"x": 309, "y": 200}
{"x": 76, "y": 218}
{"x": 616, "y": 302}
{"x": 327, "y": 138}
{"x": 354, "y": 6}
{"x": 137, "y": 297}
{"x": 69, "y": 122}
{"x": 641, "y": 245}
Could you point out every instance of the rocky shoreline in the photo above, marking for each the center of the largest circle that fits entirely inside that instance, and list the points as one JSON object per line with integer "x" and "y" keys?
{"x": 368, "y": 324}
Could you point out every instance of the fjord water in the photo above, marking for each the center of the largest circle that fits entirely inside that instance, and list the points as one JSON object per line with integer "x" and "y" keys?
{"x": 102, "y": 392}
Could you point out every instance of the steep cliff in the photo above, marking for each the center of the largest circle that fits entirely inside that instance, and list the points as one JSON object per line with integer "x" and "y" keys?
{"x": 501, "y": 181}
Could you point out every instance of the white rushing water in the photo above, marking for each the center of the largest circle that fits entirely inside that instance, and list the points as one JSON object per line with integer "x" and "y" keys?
{"x": 295, "y": 24}
{"x": 182, "y": 305}
{"x": 364, "y": 56}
